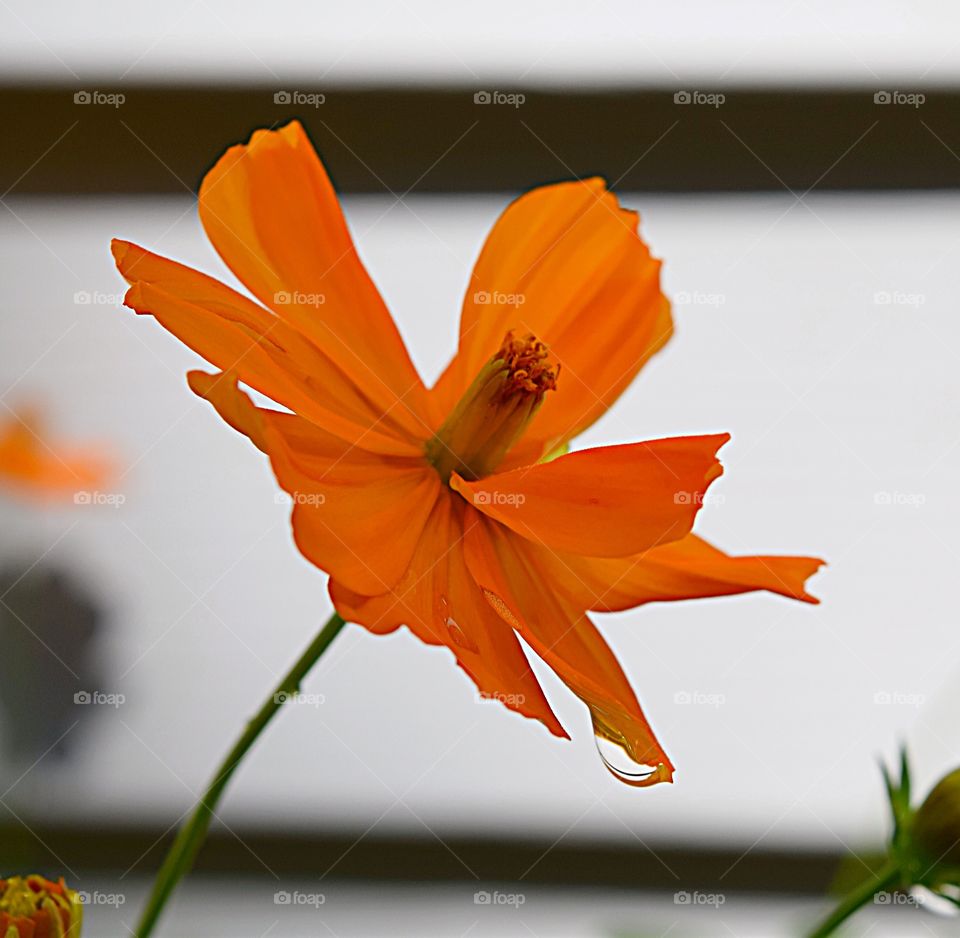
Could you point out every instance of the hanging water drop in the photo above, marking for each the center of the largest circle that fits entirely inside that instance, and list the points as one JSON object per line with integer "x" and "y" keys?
{"x": 624, "y": 768}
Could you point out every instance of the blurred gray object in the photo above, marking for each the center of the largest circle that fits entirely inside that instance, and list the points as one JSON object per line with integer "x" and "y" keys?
{"x": 48, "y": 630}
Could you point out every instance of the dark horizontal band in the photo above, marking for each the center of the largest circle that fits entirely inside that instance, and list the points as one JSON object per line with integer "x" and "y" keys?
{"x": 162, "y": 139}
{"x": 343, "y": 856}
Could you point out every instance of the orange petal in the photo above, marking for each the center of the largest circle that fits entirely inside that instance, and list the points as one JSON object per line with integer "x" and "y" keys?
{"x": 689, "y": 568}
{"x": 30, "y": 461}
{"x": 581, "y": 279}
{"x": 606, "y": 502}
{"x": 357, "y": 515}
{"x": 271, "y": 212}
{"x": 235, "y": 334}
{"x": 440, "y": 603}
{"x": 504, "y": 566}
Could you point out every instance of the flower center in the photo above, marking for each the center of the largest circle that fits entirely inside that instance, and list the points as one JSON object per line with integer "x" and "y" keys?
{"x": 495, "y": 410}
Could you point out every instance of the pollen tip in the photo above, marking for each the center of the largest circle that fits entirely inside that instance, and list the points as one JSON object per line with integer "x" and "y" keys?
{"x": 531, "y": 369}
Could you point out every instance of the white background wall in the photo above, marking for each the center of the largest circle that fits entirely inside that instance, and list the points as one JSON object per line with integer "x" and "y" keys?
{"x": 552, "y": 41}
{"x": 832, "y": 396}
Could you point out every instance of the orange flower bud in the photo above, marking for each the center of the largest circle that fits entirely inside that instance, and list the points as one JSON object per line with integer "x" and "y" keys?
{"x": 35, "y": 907}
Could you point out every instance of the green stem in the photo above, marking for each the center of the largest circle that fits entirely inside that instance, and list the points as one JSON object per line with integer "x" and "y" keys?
{"x": 855, "y": 900}
{"x": 191, "y": 836}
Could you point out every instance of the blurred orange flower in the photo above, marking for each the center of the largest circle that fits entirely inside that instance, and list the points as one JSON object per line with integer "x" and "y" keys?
{"x": 30, "y": 463}
{"x": 456, "y": 510}
{"x": 35, "y": 907}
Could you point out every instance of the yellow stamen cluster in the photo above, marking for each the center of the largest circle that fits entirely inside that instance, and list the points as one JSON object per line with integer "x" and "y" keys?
{"x": 529, "y": 367}
{"x": 495, "y": 410}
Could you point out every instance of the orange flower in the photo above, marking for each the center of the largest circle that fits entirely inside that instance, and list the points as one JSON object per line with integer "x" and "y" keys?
{"x": 35, "y": 907}
{"x": 30, "y": 463}
{"x": 453, "y": 510}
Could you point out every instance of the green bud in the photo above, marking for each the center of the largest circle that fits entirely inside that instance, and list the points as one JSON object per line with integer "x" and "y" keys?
{"x": 935, "y": 831}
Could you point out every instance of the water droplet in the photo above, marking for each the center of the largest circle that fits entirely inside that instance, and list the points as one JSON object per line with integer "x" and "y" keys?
{"x": 623, "y": 767}
{"x": 457, "y": 635}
